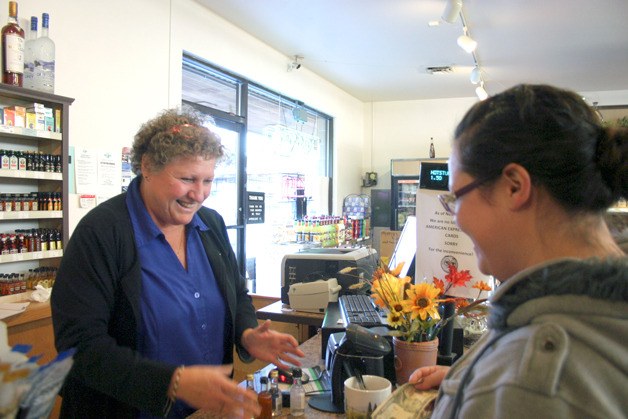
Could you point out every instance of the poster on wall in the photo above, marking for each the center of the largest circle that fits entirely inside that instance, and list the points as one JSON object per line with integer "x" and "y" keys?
{"x": 439, "y": 240}
{"x": 97, "y": 172}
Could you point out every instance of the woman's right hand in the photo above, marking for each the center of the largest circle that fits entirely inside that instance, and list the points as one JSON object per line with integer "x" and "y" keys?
{"x": 426, "y": 378}
{"x": 210, "y": 388}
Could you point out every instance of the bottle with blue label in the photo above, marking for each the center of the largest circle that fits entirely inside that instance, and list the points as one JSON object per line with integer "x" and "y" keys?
{"x": 44, "y": 76}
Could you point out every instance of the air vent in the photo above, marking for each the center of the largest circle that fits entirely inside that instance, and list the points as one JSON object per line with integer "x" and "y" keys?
{"x": 445, "y": 69}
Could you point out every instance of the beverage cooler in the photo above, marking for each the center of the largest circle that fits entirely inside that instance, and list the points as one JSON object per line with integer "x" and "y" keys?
{"x": 403, "y": 194}
{"x": 404, "y": 179}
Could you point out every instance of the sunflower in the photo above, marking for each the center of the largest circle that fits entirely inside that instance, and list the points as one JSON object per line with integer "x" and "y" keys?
{"x": 422, "y": 301}
{"x": 395, "y": 319}
{"x": 387, "y": 291}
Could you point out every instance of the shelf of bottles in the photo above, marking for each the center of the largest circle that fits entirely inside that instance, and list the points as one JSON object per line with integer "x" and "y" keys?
{"x": 330, "y": 231}
{"x": 33, "y": 143}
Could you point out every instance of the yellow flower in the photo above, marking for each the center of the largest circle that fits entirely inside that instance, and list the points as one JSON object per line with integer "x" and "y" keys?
{"x": 395, "y": 319}
{"x": 422, "y": 301}
{"x": 387, "y": 290}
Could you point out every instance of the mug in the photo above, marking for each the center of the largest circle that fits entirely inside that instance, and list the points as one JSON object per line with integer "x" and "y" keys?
{"x": 361, "y": 403}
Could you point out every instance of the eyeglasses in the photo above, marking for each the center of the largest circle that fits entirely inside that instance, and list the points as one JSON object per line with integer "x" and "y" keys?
{"x": 449, "y": 199}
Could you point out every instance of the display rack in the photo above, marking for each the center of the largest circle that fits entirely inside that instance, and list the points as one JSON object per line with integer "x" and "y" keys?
{"x": 48, "y": 141}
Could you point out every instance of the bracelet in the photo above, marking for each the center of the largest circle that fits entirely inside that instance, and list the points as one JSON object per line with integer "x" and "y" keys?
{"x": 173, "y": 394}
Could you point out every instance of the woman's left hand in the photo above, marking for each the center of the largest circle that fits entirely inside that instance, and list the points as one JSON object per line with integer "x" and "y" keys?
{"x": 268, "y": 345}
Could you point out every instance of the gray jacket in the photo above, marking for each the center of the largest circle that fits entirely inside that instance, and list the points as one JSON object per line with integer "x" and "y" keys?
{"x": 556, "y": 347}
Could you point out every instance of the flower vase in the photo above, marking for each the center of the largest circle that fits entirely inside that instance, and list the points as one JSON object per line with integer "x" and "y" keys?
{"x": 412, "y": 355}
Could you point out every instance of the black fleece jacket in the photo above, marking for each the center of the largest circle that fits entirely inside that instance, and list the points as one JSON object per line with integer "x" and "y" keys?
{"x": 96, "y": 309}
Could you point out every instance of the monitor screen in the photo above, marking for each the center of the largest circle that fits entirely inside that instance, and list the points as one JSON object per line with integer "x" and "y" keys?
{"x": 405, "y": 250}
{"x": 434, "y": 175}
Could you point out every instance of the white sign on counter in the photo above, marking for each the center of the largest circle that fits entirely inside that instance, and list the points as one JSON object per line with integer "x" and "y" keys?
{"x": 440, "y": 242}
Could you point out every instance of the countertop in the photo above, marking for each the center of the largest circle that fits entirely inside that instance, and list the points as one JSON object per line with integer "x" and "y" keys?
{"x": 312, "y": 350}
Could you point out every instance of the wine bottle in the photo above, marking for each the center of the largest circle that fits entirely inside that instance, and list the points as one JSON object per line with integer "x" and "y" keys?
{"x": 12, "y": 49}
{"x": 44, "y": 76}
{"x": 29, "y": 55}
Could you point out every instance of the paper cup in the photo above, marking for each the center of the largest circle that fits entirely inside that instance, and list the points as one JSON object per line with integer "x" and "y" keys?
{"x": 361, "y": 403}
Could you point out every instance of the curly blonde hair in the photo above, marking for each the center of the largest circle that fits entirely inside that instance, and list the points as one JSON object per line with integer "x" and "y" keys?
{"x": 172, "y": 134}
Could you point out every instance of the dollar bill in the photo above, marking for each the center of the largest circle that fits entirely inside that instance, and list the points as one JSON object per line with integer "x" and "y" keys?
{"x": 407, "y": 403}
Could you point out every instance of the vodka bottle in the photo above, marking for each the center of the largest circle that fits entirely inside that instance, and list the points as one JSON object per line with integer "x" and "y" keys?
{"x": 297, "y": 394}
{"x": 29, "y": 55}
{"x": 276, "y": 393}
{"x": 12, "y": 49}
{"x": 44, "y": 76}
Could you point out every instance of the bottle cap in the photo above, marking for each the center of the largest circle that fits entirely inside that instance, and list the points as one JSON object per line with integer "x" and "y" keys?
{"x": 263, "y": 380}
{"x": 33, "y": 23}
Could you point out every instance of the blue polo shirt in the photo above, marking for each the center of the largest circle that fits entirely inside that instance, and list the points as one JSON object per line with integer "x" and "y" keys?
{"x": 183, "y": 311}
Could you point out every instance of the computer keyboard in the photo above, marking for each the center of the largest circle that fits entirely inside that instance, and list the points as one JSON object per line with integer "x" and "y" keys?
{"x": 359, "y": 309}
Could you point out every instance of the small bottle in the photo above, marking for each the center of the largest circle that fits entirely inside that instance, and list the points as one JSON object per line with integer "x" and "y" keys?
{"x": 265, "y": 400}
{"x": 297, "y": 394}
{"x": 250, "y": 382}
{"x": 13, "y": 49}
{"x": 44, "y": 76}
{"x": 29, "y": 55}
{"x": 276, "y": 393}
{"x": 432, "y": 150}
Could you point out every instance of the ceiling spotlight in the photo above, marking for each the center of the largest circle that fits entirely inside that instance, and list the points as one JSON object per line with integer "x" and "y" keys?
{"x": 452, "y": 10}
{"x": 467, "y": 43}
{"x": 295, "y": 64}
{"x": 476, "y": 75}
{"x": 481, "y": 92}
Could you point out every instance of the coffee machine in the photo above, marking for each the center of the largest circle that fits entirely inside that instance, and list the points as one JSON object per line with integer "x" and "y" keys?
{"x": 359, "y": 351}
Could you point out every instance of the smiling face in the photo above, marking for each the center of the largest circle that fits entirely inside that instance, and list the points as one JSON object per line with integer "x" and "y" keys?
{"x": 474, "y": 215}
{"x": 174, "y": 194}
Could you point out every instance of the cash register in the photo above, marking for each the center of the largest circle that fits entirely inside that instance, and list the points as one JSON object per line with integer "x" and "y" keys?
{"x": 317, "y": 264}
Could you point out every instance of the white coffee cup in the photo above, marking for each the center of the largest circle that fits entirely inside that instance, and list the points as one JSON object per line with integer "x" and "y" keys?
{"x": 361, "y": 403}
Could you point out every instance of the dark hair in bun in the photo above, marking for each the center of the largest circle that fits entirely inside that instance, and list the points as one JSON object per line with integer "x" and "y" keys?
{"x": 556, "y": 136}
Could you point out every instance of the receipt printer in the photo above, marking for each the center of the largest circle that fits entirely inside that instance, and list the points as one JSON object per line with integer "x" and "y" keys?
{"x": 313, "y": 296}
{"x": 315, "y": 264}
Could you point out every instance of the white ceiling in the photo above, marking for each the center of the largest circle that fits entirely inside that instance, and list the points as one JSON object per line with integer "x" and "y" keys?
{"x": 378, "y": 50}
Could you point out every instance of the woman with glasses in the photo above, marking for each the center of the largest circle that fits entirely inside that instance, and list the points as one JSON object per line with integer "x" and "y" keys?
{"x": 532, "y": 173}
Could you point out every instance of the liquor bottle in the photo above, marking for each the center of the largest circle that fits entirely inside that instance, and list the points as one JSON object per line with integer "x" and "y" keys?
{"x": 276, "y": 393}
{"x": 29, "y": 55}
{"x": 432, "y": 150}
{"x": 44, "y": 76}
{"x": 12, "y": 49}
{"x": 265, "y": 400}
{"x": 297, "y": 394}
{"x": 250, "y": 385}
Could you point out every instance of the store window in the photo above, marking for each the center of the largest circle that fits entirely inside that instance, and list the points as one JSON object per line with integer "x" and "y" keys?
{"x": 278, "y": 157}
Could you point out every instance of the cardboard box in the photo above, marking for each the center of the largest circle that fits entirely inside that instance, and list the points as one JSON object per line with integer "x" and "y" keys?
{"x": 9, "y": 117}
{"x": 49, "y": 120}
{"x": 388, "y": 241}
{"x": 19, "y": 118}
{"x": 57, "y": 120}
{"x": 40, "y": 116}
{"x": 31, "y": 120}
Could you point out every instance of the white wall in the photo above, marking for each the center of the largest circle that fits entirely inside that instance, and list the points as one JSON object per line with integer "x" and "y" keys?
{"x": 402, "y": 130}
{"x": 121, "y": 61}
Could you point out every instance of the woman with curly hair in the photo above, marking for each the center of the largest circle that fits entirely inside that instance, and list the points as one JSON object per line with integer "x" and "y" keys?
{"x": 149, "y": 292}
